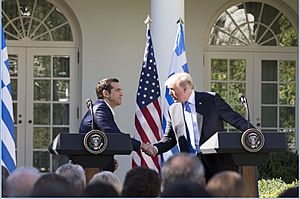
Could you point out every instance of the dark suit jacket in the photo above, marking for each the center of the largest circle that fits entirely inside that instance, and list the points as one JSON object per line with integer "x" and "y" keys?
{"x": 211, "y": 111}
{"x": 103, "y": 120}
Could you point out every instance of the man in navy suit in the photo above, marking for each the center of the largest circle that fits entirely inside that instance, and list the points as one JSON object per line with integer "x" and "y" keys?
{"x": 109, "y": 94}
{"x": 194, "y": 118}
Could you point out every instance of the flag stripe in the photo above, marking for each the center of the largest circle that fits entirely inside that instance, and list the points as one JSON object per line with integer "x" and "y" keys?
{"x": 8, "y": 159}
{"x": 147, "y": 120}
{"x": 178, "y": 64}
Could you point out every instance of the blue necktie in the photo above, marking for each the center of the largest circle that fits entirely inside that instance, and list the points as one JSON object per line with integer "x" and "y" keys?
{"x": 190, "y": 148}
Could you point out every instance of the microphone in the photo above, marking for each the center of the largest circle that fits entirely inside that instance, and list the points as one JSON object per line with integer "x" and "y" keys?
{"x": 244, "y": 101}
{"x": 89, "y": 105}
{"x": 242, "y": 98}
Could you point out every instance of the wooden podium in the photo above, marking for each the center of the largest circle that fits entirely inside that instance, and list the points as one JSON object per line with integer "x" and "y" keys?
{"x": 71, "y": 145}
{"x": 229, "y": 145}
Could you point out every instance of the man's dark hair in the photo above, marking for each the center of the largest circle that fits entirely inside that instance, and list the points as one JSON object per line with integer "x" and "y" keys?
{"x": 99, "y": 189}
{"x": 292, "y": 192}
{"x": 185, "y": 188}
{"x": 52, "y": 185}
{"x": 104, "y": 84}
{"x": 141, "y": 182}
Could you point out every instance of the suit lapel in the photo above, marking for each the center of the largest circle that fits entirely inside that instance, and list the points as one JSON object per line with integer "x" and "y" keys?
{"x": 199, "y": 111}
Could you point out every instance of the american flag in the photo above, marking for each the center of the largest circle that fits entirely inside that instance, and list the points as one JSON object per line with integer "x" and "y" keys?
{"x": 148, "y": 113}
{"x": 178, "y": 64}
{"x": 7, "y": 122}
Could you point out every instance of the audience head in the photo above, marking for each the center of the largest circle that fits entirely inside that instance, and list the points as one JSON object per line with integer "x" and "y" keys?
{"x": 141, "y": 182}
{"x": 52, "y": 185}
{"x": 180, "y": 167}
{"x": 74, "y": 174}
{"x": 185, "y": 189}
{"x": 290, "y": 193}
{"x": 20, "y": 182}
{"x": 228, "y": 184}
{"x": 107, "y": 177}
{"x": 99, "y": 189}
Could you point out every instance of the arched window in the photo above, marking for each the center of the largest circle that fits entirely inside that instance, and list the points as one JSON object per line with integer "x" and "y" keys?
{"x": 253, "y": 23}
{"x": 36, "y": 20}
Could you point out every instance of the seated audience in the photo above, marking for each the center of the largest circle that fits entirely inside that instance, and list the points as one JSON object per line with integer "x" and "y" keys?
{"x": 74, "y": 174}
{"x": 290, "y": 193}
{"x": 99, "y": 189}
{"x": 228, "y": 184}
{"x": 185, "y": 189}
{"x": 107, "y": 177}
{"x": 141, "y": 182}
{"x": 20, "y": 182}
{"x": 52, "y": 185}
{"x": 182, "y": 166}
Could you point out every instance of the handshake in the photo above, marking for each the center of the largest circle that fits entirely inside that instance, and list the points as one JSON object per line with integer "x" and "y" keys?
{"x": 149, "y": 149}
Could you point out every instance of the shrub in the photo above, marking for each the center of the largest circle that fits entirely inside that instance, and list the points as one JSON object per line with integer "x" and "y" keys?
{"x": 280, "y": 165}
{"x": 271, "y": 188}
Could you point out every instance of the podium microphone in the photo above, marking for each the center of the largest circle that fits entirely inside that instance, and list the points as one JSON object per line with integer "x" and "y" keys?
{"x": 244, "y": 101}
{"x": 89, "y": 105}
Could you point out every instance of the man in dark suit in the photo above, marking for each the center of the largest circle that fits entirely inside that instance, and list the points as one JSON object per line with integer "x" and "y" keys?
{"x": 194, "y": 118}
{"x": 109, "y": 94}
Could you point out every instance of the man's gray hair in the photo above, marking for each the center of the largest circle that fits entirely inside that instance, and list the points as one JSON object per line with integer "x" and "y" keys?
{"x": 74, "y": 174}
{"x": 180, "y": 79}
{"x": 182, "y": 166}
{"x": 20, "y": 182}
{"x": 109, "y": 178}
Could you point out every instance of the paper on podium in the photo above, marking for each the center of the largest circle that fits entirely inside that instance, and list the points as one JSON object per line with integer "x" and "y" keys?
{"x": 210, "y": 145}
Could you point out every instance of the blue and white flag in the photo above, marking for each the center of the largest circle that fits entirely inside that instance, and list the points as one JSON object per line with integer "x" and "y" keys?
{"x": 7, "y": 122}
{"x": 178, "y": 64}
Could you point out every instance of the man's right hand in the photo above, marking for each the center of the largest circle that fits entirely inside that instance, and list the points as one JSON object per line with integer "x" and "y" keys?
{"x": 149, "y": 149}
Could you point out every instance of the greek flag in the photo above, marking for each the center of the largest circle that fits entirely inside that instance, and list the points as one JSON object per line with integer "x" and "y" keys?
{"x": 178, "y": 64}
{"x": 7, "y": 122}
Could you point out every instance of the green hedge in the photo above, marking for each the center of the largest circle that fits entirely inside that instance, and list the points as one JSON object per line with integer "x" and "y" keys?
{"x": 271, "y": 188}
{"x": 280, "y": 165}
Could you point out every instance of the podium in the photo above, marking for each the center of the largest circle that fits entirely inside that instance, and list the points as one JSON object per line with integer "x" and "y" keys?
{"x": 72, "y": 146}
{"x": 229, "y": 145}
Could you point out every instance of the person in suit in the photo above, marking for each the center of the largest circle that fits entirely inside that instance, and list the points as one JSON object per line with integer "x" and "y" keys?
{"x": 109, "y": 94}
{"x": 193, "y": 119}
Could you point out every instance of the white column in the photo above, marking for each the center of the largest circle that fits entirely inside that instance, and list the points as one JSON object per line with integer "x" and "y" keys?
{"x": 164, "y": 15}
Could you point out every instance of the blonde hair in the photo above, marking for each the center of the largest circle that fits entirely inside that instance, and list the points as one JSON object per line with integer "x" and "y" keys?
{"x": 180, "y": 79}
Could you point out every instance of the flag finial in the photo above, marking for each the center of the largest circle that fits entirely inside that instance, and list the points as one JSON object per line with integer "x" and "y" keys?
{"x": 180, "y": 20}
{"x": 147, "y": 20}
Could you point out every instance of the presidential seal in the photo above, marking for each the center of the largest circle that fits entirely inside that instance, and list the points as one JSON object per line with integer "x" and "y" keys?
{"x": 253, "y": 140}
{"x": 95, "y": 141}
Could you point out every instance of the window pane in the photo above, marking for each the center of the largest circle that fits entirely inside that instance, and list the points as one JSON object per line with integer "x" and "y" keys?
{"x": 42, "y": 90}
{"x": 41, "y": 160}
{"x": 269, "y": 116}
{"x": 61, "y": 90}
{"x": 63, "y": 33}
{"x": 269, "y": 70}
{"x": 287, "y": 94}
{"x": 234, "y": 90}
{"x": 58, "y": 130}
{"x": 58, "y": 160}
{"x": 42, "y": 66}
{"x": 287, "y": 71}
{"x": 269, "y": 93}
{"x": 56, "y": 18}
{"x": 61, "y": 66}
{"x": 220, "y": 88}
{"x": 41, "y": 113}
{"x": 287, "y": 117}
{"x": 41, "y": 137}
{"x": 13, "y": 65}
{"x": 237, "y": 70}
{"x": 219, "y": 69}
{"x": 14, "y": 86}
{"x": 15, "y": 111}
{"x": 60, "y": 114}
